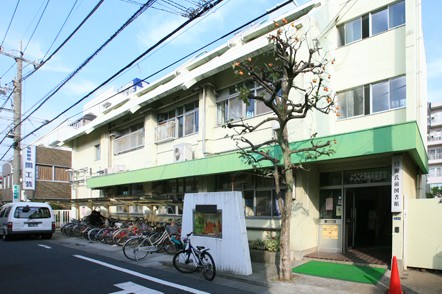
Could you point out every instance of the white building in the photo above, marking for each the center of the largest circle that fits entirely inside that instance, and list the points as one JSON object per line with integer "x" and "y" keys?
{"x": 435, "y": 144}
{"x": 164, "y": 140}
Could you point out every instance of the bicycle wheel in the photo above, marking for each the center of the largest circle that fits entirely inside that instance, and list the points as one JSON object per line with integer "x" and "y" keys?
{"x": 155, "y": 239}
{"x": 122, "y": 236}
{"x": 184, "y": 262}
{"x": 208, "y": 266}
{"x": 92, "y": 234}
{"x": 169, "y": 246}
{"x": 131, "y": 249}
{"x": 100, "y": 235}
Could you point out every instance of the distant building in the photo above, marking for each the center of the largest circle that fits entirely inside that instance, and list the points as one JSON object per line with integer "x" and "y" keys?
{"x": 434, "y": 144}
{"x": 48, "y": 177}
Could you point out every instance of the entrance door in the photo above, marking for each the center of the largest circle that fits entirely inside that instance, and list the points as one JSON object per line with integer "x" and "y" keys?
{"x": 368, "y": 221}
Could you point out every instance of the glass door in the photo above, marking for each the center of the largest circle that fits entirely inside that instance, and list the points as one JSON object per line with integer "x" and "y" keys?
{"x": 350, "y": 218}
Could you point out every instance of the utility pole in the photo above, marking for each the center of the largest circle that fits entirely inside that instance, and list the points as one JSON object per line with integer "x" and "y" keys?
{"x": 16, "y": 162}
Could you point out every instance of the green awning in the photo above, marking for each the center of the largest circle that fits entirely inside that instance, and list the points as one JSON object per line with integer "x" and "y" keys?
{"x": 382, "y": 140}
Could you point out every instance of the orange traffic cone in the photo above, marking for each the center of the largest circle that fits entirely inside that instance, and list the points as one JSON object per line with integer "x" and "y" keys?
{"x": 395, "y": 282}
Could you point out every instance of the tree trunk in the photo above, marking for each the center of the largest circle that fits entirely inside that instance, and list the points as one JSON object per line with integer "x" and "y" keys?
{"x": 285, "y": 270}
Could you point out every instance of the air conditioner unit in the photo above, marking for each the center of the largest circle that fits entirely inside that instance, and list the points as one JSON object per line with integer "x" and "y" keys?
{"x": 182, "y": 152}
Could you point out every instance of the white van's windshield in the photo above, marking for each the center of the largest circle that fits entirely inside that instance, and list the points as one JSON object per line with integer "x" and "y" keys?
{"x": 32, "y": 212}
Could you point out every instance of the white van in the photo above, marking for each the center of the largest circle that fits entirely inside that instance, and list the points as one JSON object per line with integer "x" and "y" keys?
{"x": 26, "y": 218}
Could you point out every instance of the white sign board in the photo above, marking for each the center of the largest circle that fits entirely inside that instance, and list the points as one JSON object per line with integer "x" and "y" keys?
{"x": 29, "y": 168}
{"x": 227, "y": 240}
{"x": 396, "y": 184}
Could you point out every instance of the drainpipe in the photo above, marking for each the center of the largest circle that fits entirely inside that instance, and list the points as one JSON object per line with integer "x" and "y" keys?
{"x": 203, "y": 125}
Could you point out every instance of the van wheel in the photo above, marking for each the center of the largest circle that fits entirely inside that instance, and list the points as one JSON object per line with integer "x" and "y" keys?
{"x": 47, "y": 236}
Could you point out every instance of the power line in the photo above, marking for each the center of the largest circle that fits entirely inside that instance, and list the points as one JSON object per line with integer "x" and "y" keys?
{"x": 59, "y": 31}
{"x": 67, "y": 39}
{"x": 36, "y": 26}
{"x": 130, "y": 20}
{"x": 164, "y": 68}
{"x": 10, "y": 22}
{"x": 201, "y": 12}
{"x": 149, "y": 50}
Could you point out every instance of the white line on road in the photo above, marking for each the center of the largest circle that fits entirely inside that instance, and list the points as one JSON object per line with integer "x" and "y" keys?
{"x": 131, "y": 287}
{"x": 45, "y": 246}
{"x": 142, "y": 276}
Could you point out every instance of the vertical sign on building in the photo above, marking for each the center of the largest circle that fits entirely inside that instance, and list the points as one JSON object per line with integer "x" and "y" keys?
{"x": 396, "y": 184}
{"x": 29, "y": 168}
{"x": 15, "y": 193}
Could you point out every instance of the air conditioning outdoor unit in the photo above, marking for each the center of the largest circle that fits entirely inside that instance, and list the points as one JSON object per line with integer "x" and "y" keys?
{"x": 182, "y": 152}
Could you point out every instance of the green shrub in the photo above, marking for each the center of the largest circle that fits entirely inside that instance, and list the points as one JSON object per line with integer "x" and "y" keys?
{"x": 257, "y": 244}
{"x": 270, "y": 243}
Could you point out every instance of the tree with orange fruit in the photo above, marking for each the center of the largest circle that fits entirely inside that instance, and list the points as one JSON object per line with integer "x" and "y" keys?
{"x": 283, "y": 73}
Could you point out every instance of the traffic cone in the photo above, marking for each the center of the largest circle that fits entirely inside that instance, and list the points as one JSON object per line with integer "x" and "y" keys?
{"x": 395, "y": 282}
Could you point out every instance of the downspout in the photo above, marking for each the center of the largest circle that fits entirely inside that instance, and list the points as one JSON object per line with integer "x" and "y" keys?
{"x": 203, "y": 125}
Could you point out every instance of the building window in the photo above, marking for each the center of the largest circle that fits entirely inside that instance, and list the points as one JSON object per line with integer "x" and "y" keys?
{"x": 388, "y": 94}
{"x": 397, "y": 14}
{"x": 379, "y": 21}
{"x": 351, "y": 102}
{"x": 372, "y": 23}
{"x": 260, "y": 198}
{"x": 435, "y": 171}
{"x": 52, "y": 173}
{"x": 177, "y": 123}
{"x": 435, "y": 153}
{"x": 97, "y": 152}
{"x": 231, "y": 108}
{"x": 372, "y": 98}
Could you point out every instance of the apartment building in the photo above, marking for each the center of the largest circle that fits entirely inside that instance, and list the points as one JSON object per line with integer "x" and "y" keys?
{"x": 143, "y": 151}
{"x": 434, "y": 144}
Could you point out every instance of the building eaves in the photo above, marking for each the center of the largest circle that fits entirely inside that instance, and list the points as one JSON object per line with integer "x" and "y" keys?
{"x": 252, "y": 43}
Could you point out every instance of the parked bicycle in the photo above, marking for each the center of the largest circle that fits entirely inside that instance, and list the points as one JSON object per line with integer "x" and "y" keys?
{"x": 137, "y": 248}
{"x": 190, "y": 259}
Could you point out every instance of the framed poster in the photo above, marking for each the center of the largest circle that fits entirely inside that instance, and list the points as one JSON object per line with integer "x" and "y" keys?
{"x": 207, "y": 221}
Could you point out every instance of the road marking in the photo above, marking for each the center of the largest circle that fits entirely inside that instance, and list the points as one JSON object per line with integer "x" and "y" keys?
{"x": 142, "y": 276}
{"x": 131, "y": 287}
{"x": 45, "y": 246}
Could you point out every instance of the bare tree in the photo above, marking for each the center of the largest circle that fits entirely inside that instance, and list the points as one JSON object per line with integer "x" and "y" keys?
{"x": 289, "y": 97}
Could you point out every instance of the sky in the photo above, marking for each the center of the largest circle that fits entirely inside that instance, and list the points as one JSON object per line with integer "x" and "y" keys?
{"x": 40, "y": 26}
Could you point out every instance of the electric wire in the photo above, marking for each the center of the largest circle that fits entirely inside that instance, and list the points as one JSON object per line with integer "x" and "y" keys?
{"x": 164, "y": 68}
{"x": 36, "y": 26}
{"x": 157, "y": 72}
{"x": 53, "y": 92}
{"x": 200, "y": 12}
{"x": 10, "y": 22}
{"x": 67, "y": 39}
{"x": 59, "y": 31}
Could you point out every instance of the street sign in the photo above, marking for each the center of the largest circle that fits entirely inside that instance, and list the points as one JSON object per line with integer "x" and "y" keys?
{"x": 15, "y": 193}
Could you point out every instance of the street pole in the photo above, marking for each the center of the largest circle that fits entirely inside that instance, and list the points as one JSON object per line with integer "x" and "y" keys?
{"x": 16, "y": 162}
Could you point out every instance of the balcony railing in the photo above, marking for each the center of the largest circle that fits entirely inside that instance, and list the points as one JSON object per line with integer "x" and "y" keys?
{"x": 165, "y": 132}
{"x": 129, "y": 142}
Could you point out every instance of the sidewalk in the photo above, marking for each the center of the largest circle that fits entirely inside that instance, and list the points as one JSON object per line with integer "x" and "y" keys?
{"x": 265, "y": 274}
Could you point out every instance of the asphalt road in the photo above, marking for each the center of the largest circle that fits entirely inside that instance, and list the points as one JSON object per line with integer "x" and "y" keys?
{"x": 42, "y": 266}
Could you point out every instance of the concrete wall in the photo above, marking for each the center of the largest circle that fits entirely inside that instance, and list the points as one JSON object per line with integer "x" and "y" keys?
{"x": 423, "y": 247}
